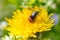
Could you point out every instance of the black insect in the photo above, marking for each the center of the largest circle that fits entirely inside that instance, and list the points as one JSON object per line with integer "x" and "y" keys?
{"x": 33, "y": 16}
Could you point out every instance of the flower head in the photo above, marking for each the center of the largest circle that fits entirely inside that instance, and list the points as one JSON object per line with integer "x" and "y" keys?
{"x": 56, "y": 18}
{"x": 21, "y": 26}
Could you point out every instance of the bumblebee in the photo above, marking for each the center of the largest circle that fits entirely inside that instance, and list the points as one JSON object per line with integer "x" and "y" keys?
{"x": 33, "y": 16}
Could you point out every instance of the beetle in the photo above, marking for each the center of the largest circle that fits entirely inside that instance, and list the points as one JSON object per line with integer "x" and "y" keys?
{"x": 33, "y": 16}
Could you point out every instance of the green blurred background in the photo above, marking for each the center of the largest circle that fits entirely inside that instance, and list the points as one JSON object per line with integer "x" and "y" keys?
{"x": 7, "y": 7}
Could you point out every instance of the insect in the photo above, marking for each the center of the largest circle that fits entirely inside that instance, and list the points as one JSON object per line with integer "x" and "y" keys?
{"x": 33, "y": 16}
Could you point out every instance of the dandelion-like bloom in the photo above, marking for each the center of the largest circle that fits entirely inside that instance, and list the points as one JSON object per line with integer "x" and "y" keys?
{"x": 21, "y": 26}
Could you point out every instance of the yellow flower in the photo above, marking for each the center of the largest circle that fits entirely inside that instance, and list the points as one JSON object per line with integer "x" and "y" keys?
{"x": 21, "y": 26}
